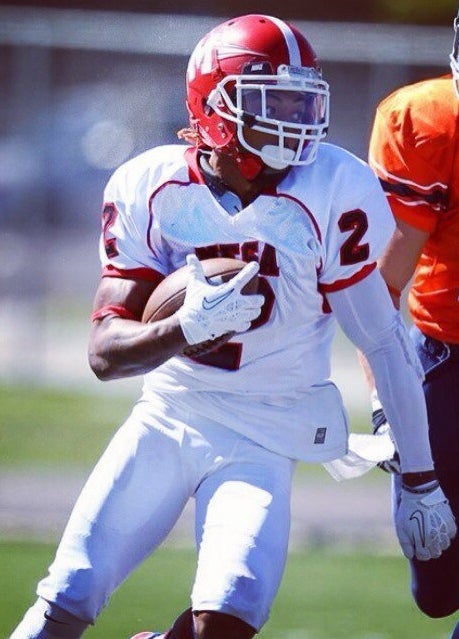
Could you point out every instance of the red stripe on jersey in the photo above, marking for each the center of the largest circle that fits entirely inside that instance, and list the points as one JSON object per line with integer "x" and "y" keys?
{"x": 143, "y": 273}
{"x": 349, "y": 281}
{"x": 113, "y": 309}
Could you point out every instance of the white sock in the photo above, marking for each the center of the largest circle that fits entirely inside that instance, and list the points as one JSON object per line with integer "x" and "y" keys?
{"x": 47, "y": 621}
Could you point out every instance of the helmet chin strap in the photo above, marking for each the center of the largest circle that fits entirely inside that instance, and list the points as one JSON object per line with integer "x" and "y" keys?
{"x": 250, "y": 166}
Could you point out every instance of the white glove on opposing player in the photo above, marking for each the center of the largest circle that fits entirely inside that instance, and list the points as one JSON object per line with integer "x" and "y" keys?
{"x": 424, "y": 522}
{"x": 209, "y": 311}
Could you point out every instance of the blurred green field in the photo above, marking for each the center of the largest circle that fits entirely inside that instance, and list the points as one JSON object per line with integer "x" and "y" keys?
{"x": 46, "y": 427}
{"x": 323, "y": 596}
{"x": 42, "y": 427}
{"x": 326, "y": 594}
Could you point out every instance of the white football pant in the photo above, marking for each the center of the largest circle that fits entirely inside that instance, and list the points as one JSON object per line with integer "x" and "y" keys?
{"x": 158, "y": 460}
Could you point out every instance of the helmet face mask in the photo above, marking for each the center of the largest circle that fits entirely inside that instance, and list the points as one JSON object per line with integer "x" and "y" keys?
{"x": 257, "y": 73}
{"x": 291, "y": 105}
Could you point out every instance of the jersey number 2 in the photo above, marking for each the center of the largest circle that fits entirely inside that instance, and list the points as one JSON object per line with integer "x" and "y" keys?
{"x": 352, "y": 251}
{"x": 109, "y": 216}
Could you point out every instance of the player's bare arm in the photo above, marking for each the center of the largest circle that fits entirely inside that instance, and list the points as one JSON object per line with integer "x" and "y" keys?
{"x": 399, "y": 260}
{"x": 121, "y": 347}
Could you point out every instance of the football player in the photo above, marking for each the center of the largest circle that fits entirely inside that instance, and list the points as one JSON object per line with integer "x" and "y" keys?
{"x": 414, "y": 151}
{"x": 254, "y": 181}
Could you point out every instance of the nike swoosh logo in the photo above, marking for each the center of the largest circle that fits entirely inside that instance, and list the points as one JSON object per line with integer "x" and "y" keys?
{"x": 48, "y": 618}
{"x": 207, "y": 305}
{"x": 419, "y": 519}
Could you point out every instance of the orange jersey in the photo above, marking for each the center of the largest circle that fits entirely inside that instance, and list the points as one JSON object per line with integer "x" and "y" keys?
{"x": 414, "y": 149}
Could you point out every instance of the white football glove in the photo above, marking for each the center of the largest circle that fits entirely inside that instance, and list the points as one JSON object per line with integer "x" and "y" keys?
{"x": 424, "y": 522}
{"x": 209, "y": 310}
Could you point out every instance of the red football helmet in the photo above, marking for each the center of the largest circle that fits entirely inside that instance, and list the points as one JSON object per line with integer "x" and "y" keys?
{"x": 261, "y": 73}
{"x": 454, "y": 56}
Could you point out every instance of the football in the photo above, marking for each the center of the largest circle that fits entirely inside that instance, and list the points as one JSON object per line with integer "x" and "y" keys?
{"x": 169, "y": 295}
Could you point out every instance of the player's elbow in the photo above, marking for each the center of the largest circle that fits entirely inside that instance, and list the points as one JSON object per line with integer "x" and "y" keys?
{"x": 100, "y": 366}
{"x": 101, "y": 352}
{"x": 100, "y": 360}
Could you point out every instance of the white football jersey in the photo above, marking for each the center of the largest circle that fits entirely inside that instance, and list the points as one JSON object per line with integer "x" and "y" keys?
{"x": 321, "y": 229}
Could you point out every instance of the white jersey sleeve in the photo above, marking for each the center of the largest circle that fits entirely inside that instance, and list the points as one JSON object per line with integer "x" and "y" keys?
{"x": 131, "y": 238}
{"x": 368, "y": 317}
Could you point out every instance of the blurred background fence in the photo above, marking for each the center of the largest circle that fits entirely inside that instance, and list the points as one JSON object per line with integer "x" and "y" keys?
{"x": 82, "y": 91}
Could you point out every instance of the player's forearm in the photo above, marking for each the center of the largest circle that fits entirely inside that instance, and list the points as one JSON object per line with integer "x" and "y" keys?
{"x": 398, "y": 376}
{"x": 123, "y": 348}
{"x": 368, "y": 317}
{"x": 404, "y": 406}
{"x": 400, "y": 258}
